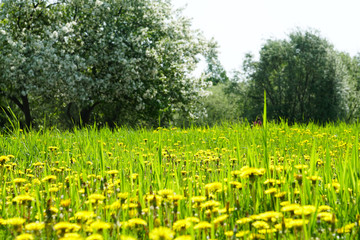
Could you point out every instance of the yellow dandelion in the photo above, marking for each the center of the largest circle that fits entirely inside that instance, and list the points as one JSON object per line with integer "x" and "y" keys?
{"x": 53, "y": 148}
{"x": 4, "y": 159}
{"x": 305, "y": 210}
{"x": 62, "y": 226}
{"x": 193, "y": 219}
{"x": 327, "y": 217}
{"x": 290, "y": 207}
{"x": 84, "y": 215}
{"x": 20, "y": 199}
{"x": 99, "y": 225}
{"x": 71, "y": 236}
{"x": 184, "y": 237}
{"x": 301, "y": 166}
{"x": 213, "y": 187}
{"x": 123, "y": 195}
{"x": 280, "y": 194}
{"x": 35, "y": 226}
{"x": 181, "y": 225}
{"x": 210, "y": 204}
{"x": 260, "y": 225}
{"x": 346, "y": 229}
{"x": 25, "y": 236}
{"x": 112, "y": 172}
{"x": 96, "y": 197}
{"x": 235, "y": 184}
{"x": 124, "y": 237}
{"x": 270, "y": 215}
{"x": 176, "y": 197}
{"x": 95, "y": 236}
{"x": 135, "y": 222}
{"x": 19, "y": 180}
{"x": 16, "y": 221}
{"x": 65, "y": 203}
{"x": 161, "y": 233}
{"x": 197, "y": 199}
{"x": 324, "y": 208}
{"x": 251, "y": 172}
{"x": 202, "y": 225}
{"x": 296, "y": 223}
{"x": 268, "y": 231}
{"x": 220, "y": 219}
{"x": 49, "y": 178}
{"x": 38, "y": 164}
{"x": 165, "y": 192}
{"x": 242, "y": 233}
{"x": 244, "y": 220}
{"x": 271, "y": 191}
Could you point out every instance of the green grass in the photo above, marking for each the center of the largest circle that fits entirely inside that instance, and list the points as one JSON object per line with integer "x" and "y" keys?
{"x": 227, "y": 165}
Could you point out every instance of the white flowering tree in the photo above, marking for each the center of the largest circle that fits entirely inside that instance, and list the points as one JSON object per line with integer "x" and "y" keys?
{"x": 133, "y": 57}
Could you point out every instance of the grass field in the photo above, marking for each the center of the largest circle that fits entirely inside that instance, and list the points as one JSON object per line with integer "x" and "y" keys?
{"x": 228, "y": 182}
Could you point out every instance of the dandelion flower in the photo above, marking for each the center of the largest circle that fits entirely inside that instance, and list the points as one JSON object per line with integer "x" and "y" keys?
{"x": 62, "y": 226}
{"x": 35, "y": 226}
{"x": 20, "y": 199}
{"x": 16, "y": 221}
{"x": 112, "y": 172}
{"x": 244, "y": 220}
{"x": 4, "y": 159}
{"x": 84, "y": 215}
{"x": 65, "y": 203}
{"x": 296, "y": 223}
{"x": 260, "y": 225}
{"x": 220, "y": 219}
{"x": 290, "y": 207}
{"x": 25, "y": 236}
{"x": 49, "y": 178}
{"x": 202, "y": 225}
{"x": 197, "y": 199}
{"x": 184, "y": 237}
{"x": 96, "y": 197}
{"x": 134, "y": 222}
{"x": 193, "y": 219}
{"x": 213, "y": 187}
{"x": 95, "y": 236}
{"x": 99, "y": 225}
{"x": 305, "y": 210}
{"x": 346, "y": 229}
{"x": 161, "y": 233}
{"x": 19, "y": 180}
{"x": 181, "y": 225}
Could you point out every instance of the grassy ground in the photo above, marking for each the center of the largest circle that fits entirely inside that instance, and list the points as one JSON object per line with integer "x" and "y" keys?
{"x": 229, "y": 182}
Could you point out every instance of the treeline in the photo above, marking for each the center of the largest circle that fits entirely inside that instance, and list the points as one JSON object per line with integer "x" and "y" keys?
{"x": 71, "y": 63}
{"x": 304, "y": 77}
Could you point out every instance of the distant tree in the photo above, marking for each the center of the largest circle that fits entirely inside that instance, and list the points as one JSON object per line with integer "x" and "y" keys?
{"x": 132, "y": 57}
{"x": 303, "y": 77}
{"x": 352, "y": 66}
{"x": 215, "y": 71}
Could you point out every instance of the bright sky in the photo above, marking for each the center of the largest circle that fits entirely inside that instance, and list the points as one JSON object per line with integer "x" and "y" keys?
{"x": 241, "y": 26}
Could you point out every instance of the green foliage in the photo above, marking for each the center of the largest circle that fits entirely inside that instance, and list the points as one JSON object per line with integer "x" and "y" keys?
{"x": 215, "y": 71}
{"x": 303, "y": 78}
{"x": 219, "y": 107}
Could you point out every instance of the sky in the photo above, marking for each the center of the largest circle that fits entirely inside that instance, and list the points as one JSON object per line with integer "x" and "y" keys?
{"x": 243, "y": 26}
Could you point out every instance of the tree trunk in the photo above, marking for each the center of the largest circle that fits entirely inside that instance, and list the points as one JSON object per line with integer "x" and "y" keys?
{"x": 25, "y": 108}
{"x": 85, "y": 114}
{"x": 26, "y": 111}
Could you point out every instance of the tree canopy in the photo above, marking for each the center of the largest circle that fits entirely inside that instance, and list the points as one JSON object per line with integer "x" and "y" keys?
{"x": 303, "y": 79}
{"x": 125, "y": 60}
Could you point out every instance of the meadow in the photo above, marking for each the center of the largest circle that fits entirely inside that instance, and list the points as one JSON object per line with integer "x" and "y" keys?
{"x": 232, "y": 181}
